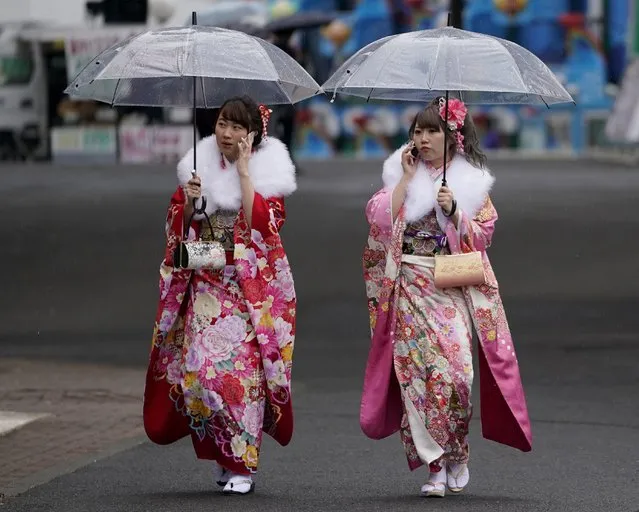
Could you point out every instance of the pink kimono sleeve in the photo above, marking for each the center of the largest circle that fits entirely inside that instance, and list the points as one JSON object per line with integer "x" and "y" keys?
{"x": 378, "y": 210}
{"x": 474, "y": 234}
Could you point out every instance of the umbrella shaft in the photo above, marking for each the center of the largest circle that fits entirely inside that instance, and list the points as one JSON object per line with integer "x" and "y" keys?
{"x": 445, "y": 140}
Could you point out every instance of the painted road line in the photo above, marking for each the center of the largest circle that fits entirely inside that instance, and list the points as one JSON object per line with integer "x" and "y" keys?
{"x": 10, "y": 421}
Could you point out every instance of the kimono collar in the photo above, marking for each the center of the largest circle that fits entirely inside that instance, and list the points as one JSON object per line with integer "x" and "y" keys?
{"x": 270, "y": 166}
{"x": 470, "y": 185}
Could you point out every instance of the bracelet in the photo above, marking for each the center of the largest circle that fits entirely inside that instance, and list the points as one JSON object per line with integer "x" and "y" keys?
{"x": 453, "y": 209}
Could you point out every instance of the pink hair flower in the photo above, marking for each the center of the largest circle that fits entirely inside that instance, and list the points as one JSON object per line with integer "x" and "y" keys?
{"x": 456, "y": 113}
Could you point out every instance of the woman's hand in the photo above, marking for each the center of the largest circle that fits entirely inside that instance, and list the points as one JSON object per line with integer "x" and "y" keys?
{"x": 445, "y": 199}
{"x": 193, "y": 189}
{"x": 245, "y": 149}
{"x": 409, "y": 162}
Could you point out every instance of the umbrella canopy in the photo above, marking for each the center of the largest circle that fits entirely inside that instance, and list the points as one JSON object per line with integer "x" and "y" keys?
{"x": 477, "y": 68}
{"x": 158, "y": 68}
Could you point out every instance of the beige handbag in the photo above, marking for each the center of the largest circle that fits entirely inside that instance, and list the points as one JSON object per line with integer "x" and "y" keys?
{"x": 455, "y": 270}
{"x": 199, "y": 254}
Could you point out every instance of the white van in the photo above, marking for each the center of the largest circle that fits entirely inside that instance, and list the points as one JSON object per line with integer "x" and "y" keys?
{"x": 23, "y": 96}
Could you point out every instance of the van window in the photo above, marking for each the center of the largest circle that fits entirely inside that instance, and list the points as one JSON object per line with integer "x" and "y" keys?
{"x": 16, "y": 68}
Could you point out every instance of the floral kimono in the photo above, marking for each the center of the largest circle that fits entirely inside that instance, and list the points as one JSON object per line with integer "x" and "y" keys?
{"x": 221, "y": 358}
{"x": 419, "y": 372}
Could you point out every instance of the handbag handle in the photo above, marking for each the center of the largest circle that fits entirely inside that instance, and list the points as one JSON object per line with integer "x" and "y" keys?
{"x": 180, "y": 250}
{"x": 201, "y": 210}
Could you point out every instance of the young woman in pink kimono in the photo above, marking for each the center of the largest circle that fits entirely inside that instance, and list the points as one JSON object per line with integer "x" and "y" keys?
{"x": 419, "y": 372}
{"x": 221, "y": 358}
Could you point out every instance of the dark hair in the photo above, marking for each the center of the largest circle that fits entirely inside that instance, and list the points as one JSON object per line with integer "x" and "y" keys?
{"x": 429, "y": 119}
{"x": 245, "y": 112}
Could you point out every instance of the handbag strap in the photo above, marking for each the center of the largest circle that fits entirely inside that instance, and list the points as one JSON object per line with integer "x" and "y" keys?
{"x": 201, "y": 210}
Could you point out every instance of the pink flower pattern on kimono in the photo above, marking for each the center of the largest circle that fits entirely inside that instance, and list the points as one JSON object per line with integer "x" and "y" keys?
{"x": 174, "y": 372}
{"x": 286, "y": 284}
{"x": 265, "y": 335}
{"x": 283, "y": 332}
{"x": 253, "y": 417}
{"x": 278, "y": 302}
{"x": 218, "y": 341}
{"x": 208, "y": 375}
{"x": 247, "y": 266}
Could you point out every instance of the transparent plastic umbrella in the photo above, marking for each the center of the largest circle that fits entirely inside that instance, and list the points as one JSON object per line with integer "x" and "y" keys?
{"x": 418, "y": 66}
{"x": 192, "y": 66}
{"x": 198, "y": 67}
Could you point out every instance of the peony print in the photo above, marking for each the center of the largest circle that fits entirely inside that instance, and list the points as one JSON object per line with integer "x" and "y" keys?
{"x": 207, "y": 305}
{"x": 168, "y": 319}
{"x": 286, "y": 284}
{"x": 275, "y": 372}
{"x": 219, "y": 340}
{"x": 232, "y": 390}
{"x": 212, "y": 400}
{"x": 283, "y": 332}
{"x": 238, "y": 445}
{"x": 253, "y": 417}
{"x": 174, "y": 372}
{"x": 194, "y": 360}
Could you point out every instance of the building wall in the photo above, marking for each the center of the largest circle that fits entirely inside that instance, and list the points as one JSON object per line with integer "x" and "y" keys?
{"x": 67, "y": 12}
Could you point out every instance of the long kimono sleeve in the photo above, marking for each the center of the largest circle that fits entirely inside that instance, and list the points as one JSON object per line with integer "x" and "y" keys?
{"x": 379, "y": 210}
{"x": 474, "y": 233}
{"x": 267, "y": 284}
{"x": 269, "y": 215}
{"x": 380, "y": 218}
{"x": 174, "y": 227}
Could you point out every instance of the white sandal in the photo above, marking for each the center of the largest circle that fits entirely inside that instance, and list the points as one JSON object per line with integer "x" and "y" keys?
{"x": 436, "y": 485}
{"x": 239, "y": 484}
{"x": 457, "y": 476}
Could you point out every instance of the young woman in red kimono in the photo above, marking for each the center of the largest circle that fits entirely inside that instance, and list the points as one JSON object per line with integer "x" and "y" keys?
{"x": 221, "y": 358}
{"x": 420, "y": 370}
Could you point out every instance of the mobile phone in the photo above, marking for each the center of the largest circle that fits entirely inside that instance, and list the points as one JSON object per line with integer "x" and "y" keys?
{"x": 414, "y": 152}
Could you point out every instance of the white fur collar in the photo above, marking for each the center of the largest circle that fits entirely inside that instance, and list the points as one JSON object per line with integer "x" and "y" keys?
{"x": 270, "y": 167}
{"x": 469, "y": 184}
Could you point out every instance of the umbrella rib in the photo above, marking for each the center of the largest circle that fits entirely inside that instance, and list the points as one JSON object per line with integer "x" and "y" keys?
{"x": 432, "y": 77}
{"x": 290, "y": 100}
{"x": 115, "y": 92}
{"x": 510, "y": 55}
{"x": 203, "y": 92}
{"x": 185, "y": 55}
{"x": 352, "y": 73}
{"x": 381, "y": 69}
{"x": 266, "y": 55}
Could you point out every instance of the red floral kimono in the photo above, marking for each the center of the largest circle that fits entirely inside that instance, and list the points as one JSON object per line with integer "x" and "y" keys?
{"x": 221, "y": 359}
